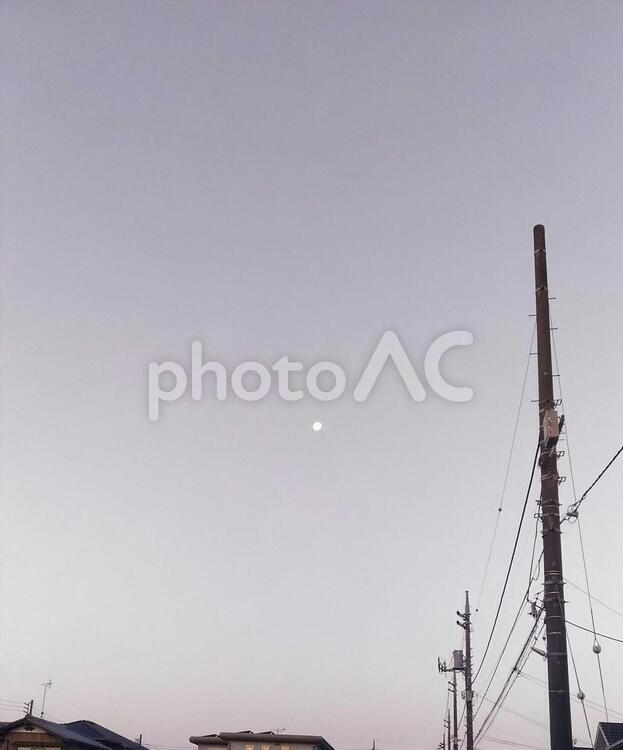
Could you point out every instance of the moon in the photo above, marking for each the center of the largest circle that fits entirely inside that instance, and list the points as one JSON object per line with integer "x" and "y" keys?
{"x": 317, "y": 426}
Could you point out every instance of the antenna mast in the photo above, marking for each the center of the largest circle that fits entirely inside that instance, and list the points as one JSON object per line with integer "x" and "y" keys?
{"x": 46, "y": 686}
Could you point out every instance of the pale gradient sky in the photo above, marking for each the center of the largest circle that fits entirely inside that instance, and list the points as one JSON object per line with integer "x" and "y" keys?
{"x": 295, "y": 178}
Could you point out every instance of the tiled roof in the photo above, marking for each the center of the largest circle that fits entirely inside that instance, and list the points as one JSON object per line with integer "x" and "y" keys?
{"x": 103, "y": 735}
{"x": 85, "y": 733}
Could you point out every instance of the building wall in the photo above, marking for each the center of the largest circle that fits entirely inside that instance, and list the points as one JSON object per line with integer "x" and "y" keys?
{"x": 251, "y": 745}
{"x": 19, "y": 739}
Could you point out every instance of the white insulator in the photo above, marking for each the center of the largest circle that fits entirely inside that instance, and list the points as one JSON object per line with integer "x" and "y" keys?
{"x": 596, "y": 648}
{"x": 581, "y": 695}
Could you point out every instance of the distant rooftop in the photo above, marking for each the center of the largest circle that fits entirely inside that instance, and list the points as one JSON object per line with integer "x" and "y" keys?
{"x": 264, "y": 738}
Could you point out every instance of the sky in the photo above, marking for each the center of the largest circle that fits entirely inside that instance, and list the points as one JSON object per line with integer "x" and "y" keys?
{"x": 288, "y": 178}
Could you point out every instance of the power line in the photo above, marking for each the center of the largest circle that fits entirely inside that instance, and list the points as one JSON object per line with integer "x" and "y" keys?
{"x": 506, "y": 473}
{"x": 562, "y": 401}
{"x": 524, "y": 599}
{"x": 511, "y": 743}
{"x": 594, "y": 598}
{"x": 592, "y": 632}
{"x": 512, "y": 677}
{"x": 483, "y": 697}
{"x": 596, "y": 646}
{"x": 519, "y": 715}
{"x": 510, "y": 564}
{"x": 573, "y": 512}
{"x": 590, "y": 704}
{"x": 573, "y": 509}
{"x": 581, "y": 695}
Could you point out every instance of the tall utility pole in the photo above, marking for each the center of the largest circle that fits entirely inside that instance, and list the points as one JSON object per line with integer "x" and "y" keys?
{"x": 553, "y": 592}
{"x": 469, "y": 694}
{"x": 449, "y": 729}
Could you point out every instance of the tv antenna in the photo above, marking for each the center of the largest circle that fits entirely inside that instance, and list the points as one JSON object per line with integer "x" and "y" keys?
{"x": 46, "y": 686}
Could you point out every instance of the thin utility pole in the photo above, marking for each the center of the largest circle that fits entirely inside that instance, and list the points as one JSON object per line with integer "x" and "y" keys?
{"x": 455, "y": 714}
{"x": 469, "y": 694}
{"x": 449, "y": 730}
{"x": 457, "y": 666}
{"x": 553, "y": 593}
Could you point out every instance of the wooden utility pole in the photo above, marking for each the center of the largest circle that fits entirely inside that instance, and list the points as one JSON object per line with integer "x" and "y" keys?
{"x": 469, "y": 694}
{"x": 553, "y": 593}
{"x": 449, "y": 729}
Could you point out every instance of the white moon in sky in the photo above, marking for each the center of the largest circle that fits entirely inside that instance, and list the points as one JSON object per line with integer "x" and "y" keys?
{"x": 317, "y": 426}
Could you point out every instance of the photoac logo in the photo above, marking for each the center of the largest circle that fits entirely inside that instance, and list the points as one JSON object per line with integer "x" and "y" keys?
{"x": 389, "y": 348}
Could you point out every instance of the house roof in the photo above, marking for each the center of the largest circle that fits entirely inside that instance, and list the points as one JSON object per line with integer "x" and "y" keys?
{"x": 267, "y": 738}
{"x": 85, "y": 733}
{"x": 612, "y": 732}
{"x": 102, "y": 735}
